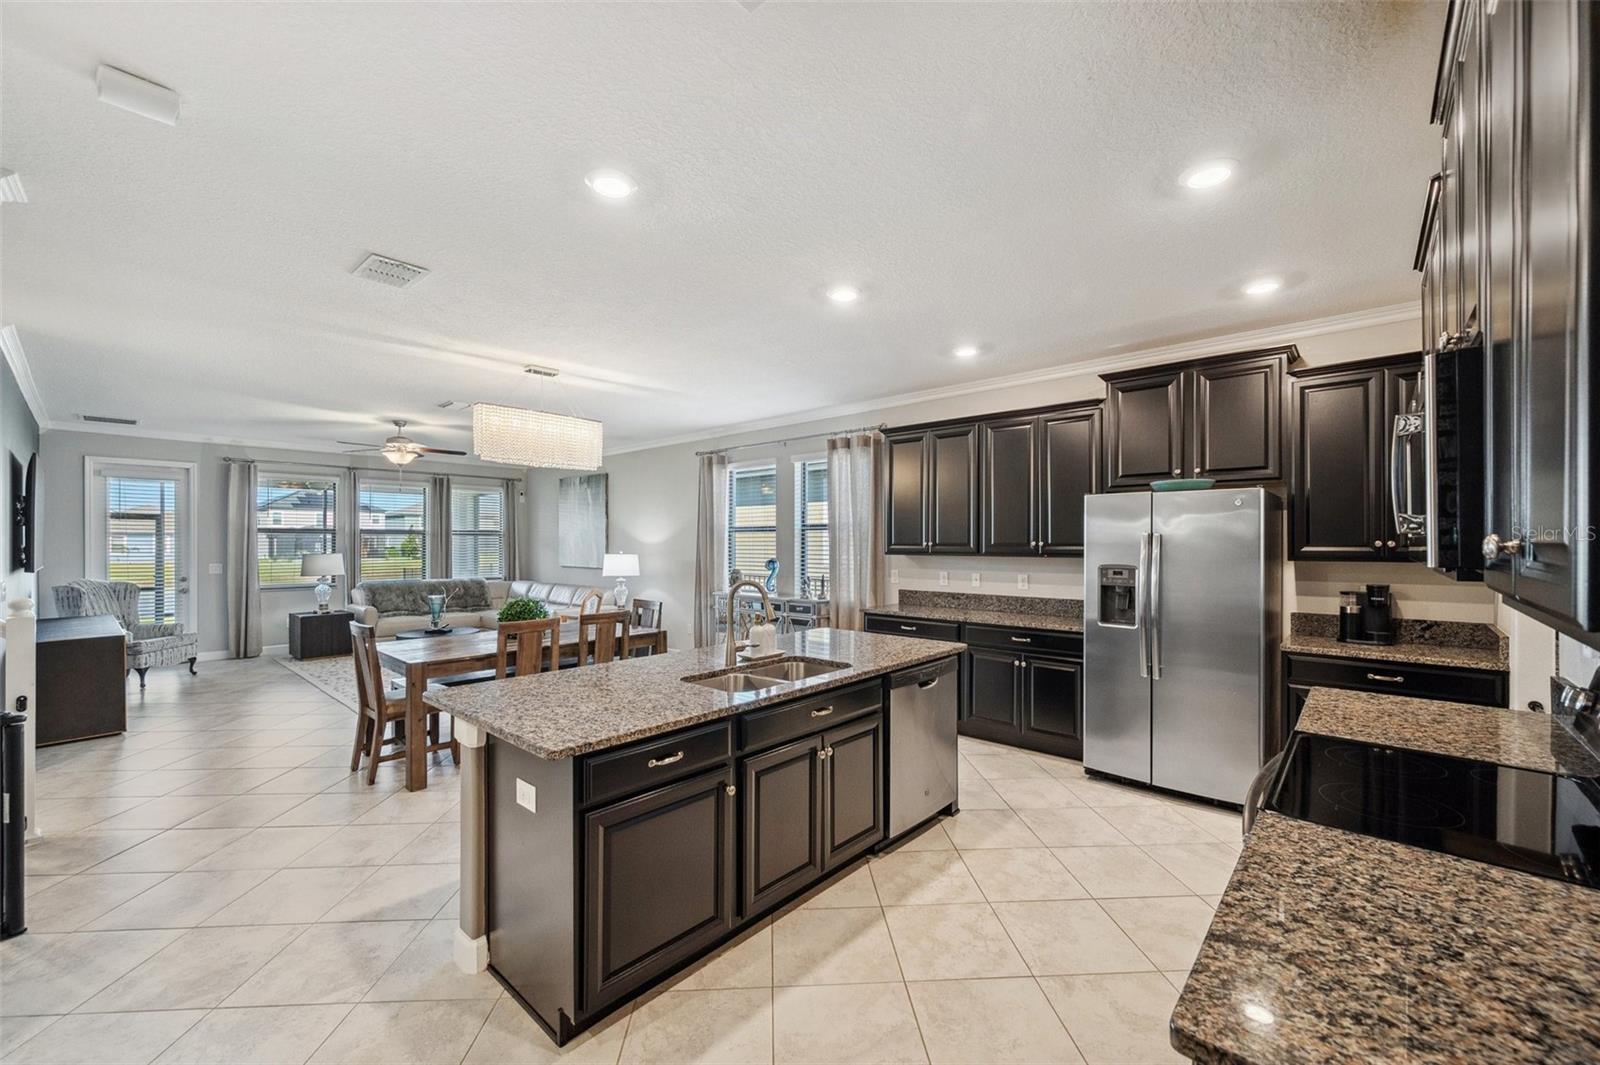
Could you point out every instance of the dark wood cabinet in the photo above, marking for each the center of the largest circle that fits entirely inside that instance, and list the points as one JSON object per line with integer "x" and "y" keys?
{"x": 1219, "y": 418}
{"x": 932, "y": 491}
{"x": 1341, "y": 419}
{"x": 82, "y": 665}
{"x": 658, "y": 883}
{"x": 1303, "y": 672}
{"x": 992, "y": 704}
{"x": 319, "y": 634}
{"x": 1025, "y": 698}
{"x": 853, "y": 808}
{"x": 1051, "y": 700}
{"x": 782, "y": 821}
{"x": 1069, "y": 469}
{"x": 1511, "y": 240}
{"x": 1010, "y": 506}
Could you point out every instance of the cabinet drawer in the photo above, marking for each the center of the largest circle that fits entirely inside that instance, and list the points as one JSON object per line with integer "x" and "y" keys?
{"x": 914, "y": 627}
{"x": 763, "y": 728}
{"x": 1064, "y": 643}
{"x": 647, "y": 765}
{"x": 1477, "y": 686}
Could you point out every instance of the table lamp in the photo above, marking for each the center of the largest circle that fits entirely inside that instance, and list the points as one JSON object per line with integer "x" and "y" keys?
{"x": 620, "y": 566}
{"x": 324, "y": 568}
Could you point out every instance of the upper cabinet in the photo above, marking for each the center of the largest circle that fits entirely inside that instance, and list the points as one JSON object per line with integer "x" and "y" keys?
{"x": 1508, "y": 266}
{"x": 1011, "y": 484}
{"x": 1220, "y": 418}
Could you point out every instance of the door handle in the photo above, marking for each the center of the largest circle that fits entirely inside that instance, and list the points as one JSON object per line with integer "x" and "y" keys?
{"x": 1022, "y": 639}
{"x": 908, "y": 628}
{"x": 926, "y": 684}
{"x": 1141, "y": 589}
{"x": 657, "y": 762}
{"x": 824, "y": 712}
{"x": 1386, "y": 679}
{"x": 1155, "y": 606}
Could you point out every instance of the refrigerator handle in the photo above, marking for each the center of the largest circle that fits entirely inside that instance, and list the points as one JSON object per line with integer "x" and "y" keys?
{"x": 1141, "y": 589}
{"x": 1155, "y": 606}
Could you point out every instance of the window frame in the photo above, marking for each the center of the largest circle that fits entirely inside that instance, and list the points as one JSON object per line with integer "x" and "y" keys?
{"x": 800, "y": 464}
{"x": 480, "y": 485}
{"x": 396, "y": 486}
{"x": 289, "y": 473}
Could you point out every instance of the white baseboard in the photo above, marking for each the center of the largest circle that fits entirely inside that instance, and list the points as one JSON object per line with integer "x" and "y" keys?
{"x": 214, "y": 656}
{"x": 224, "y": 656}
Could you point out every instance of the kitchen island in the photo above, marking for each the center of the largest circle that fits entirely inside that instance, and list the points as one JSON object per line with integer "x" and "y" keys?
{"x": 621, "y": 821}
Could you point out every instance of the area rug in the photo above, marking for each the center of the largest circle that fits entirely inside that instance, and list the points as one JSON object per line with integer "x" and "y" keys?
{"x": 336, "y": 676}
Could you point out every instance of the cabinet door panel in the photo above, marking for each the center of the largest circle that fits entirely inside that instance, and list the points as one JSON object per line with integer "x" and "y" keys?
{"x": 1009, "y": 484}
{"x": 1069, "y": 469}
{"x": 1468, "y": 117}
{"x": 954, "y": 504}
{"x": 1237, "y": 421}
{"x": 906, "y": 523}
{"x": 1337, "y": 455}
{"x": 1402, "y": 394}
{"x": 782, "y": 828}
{"x": 854, "y": 770}
{"x": 1052, "y": 697}
{"x": 658, "y": 883}
{"x": 1144, "y": 429}
{"x": 993, "y": 684}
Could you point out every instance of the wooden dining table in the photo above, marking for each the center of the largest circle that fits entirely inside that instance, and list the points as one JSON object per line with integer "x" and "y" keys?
{"x": 431, "y": 657}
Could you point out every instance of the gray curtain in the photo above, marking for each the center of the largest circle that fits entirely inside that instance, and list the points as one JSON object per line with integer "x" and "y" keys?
{"x": 438, "y": 517}
{"x": 711, "y": 534}
{"x": 510, "y": 522}
{"x": 855, "y": 527}
{"x": 244, "y": 579}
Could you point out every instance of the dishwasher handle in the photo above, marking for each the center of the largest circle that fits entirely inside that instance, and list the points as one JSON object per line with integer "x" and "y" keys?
{"x": 923, "y": 676}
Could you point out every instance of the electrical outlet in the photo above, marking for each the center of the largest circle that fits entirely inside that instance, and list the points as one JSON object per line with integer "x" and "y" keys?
{"x": 894, "y": 576}
{"x": 527, "y": 796}
{"x": 944, "y": 578}
{"x": 977, "y": 579}
{"x": 215, "y": 569}
{"x": 1022, "y": 580}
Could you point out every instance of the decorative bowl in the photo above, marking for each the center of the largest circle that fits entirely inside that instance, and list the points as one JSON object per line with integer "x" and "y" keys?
{"x": 1183, "y": 484}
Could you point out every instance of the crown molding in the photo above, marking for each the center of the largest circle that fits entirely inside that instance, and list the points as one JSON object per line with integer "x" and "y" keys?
{"x": 1180, "y": 352}
{"x": 17, "y": 359}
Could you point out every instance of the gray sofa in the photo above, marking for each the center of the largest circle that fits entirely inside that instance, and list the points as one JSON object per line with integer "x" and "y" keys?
{"x": 394, "y": 606}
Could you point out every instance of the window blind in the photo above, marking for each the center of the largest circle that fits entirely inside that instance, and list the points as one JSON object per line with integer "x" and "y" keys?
{"x": 296, "y": 515}
{"x": 143, "y": 542}
{"x": 394, "y": 530}
{"x": 812, "y": 542}
{"x": 752, "y": 518}
{"x": 477, "y": 531}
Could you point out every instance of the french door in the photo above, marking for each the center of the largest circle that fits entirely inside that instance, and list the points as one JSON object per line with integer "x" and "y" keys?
{"x": 139, "y": 527}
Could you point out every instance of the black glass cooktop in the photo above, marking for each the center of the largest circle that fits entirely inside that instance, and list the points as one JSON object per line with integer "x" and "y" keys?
{"x": 1542, "y": 823}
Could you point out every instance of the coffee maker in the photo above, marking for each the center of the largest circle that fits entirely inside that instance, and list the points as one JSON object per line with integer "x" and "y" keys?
{"x": 1367, "y": 616}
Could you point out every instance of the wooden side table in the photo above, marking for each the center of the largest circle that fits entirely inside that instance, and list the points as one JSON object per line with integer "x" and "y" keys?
{"x": 314, "y": 634}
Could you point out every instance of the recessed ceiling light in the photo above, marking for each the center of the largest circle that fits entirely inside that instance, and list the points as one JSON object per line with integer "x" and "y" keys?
{"x": 1209, "y": 174}
{"x": 966, "y": 351}
{"x": 843, "y": 293}
{"x": 1265, "y": 286}
{"x": 611, "y": 184}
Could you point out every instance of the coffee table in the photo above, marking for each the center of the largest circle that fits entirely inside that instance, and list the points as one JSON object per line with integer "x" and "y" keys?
{"x": 427, "y": 634}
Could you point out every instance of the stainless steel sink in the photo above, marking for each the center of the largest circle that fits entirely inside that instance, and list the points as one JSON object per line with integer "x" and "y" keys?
{"x": 794, "y": 669}
{"x": 734, "y": 682}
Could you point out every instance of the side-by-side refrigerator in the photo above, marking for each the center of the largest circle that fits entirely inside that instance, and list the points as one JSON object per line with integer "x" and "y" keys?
{"x": 1181, "y": 633}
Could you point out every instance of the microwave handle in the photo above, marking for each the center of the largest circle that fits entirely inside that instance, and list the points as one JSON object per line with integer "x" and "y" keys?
{"x": 1430, "y": 458}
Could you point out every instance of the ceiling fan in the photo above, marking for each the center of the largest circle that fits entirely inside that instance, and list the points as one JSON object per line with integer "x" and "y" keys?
{"x": 399, "y": 449}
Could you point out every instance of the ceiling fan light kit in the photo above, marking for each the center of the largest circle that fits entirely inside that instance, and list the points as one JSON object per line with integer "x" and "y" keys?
{"x": 521, "y": 437}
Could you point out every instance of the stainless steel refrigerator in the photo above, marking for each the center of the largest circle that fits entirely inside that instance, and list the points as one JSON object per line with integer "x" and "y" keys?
{"x": 1180, "y": 641}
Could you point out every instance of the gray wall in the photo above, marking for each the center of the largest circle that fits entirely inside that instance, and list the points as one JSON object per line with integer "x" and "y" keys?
{"x": 652, "y": 508}
{"x": 19, "y": 436}
{"x": 61, "y": 521}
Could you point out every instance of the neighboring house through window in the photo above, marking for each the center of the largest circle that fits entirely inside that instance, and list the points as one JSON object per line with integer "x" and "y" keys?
{"x": 391, "y": 518}
{"x": 296, "y": 514}
{"x": 477, "y": 530}
{"x": 752, "y": 518}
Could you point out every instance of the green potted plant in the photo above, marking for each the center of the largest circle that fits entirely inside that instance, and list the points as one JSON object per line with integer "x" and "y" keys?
{"x": 522, "y": 609}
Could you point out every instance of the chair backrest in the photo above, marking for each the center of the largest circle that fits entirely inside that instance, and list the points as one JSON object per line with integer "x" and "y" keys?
{"x": 527, "y": 638}
{"x": 591, "y": 602}
{"x": 85, "y": 597}
{"x": 369, "y": 671}
{"x": 647, "y": 613}
{"x": 609, "y": 631}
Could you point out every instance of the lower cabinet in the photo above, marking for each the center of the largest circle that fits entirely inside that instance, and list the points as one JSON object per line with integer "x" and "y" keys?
{"x": 1027, "y": 699}
{"x": 1302, "y": 672}
{"x": 853, "y": 814}
{"x": 658, "y": 882}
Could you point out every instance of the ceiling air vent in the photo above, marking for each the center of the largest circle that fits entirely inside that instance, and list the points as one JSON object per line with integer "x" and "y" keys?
{"x": 386, "y": 271}
{"x": 106, "y": 419}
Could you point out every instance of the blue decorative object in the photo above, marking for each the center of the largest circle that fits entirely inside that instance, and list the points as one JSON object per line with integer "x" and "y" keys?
{"x": 1186, "y": 484}
{"x": 772, "y": 576}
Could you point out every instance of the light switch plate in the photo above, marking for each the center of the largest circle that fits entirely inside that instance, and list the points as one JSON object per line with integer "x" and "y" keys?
{"x": 977, "y": 579}
{"x": 527, "y": 796}
{"x": 1022, "y": 580}
{"x": 944, "y": 577}
{"x": 894, "y": 576}
{"x": 215, "y": 569}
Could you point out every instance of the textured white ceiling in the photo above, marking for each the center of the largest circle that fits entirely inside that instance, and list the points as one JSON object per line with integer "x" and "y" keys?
{"x": 987, "y": 172}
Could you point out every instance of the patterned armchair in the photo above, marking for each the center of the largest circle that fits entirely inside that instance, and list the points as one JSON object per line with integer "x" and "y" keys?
{"x": 149, "y": 644}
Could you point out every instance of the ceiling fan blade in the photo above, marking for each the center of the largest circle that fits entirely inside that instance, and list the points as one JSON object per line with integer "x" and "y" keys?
{"x": 356, "y": 443}
{"x": 435, "y": 450}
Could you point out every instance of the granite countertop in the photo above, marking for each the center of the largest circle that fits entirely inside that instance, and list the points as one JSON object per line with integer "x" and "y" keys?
{"x": 1517, "y": 738}
{"x": 1002, "y": 618}
{"x": 575, "y": 711}
{"x": 1419, "y": 654}
{"x": 1331, "y": 946}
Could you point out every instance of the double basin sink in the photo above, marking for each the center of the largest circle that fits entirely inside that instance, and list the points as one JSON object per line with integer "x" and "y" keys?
{"x": 761, "y": 676}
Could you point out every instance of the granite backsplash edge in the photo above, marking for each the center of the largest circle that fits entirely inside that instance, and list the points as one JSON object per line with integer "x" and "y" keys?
{"x": 1000, "y": 604}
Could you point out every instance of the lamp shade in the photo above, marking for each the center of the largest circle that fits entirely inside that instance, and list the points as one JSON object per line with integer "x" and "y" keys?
{"x": 620, "y": 566}
{"x": 322, "y": 565}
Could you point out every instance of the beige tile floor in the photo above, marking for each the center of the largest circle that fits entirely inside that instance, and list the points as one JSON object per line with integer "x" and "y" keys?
{"x": 214, "y": 886}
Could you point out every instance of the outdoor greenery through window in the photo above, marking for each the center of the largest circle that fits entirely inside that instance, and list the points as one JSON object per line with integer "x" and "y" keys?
{"x": 141, "y": 537}
{"x": 477, "y": 531}
{"x": 295, "y": 515}
{"x": 752, "y": 519}
{"x": 811, "y": 522}
{"x": 394, "y": 531}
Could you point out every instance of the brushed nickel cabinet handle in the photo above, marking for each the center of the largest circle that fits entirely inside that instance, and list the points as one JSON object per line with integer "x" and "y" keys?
{"x": 656, "y": 762}
{"x": 1494, "y": 548}
{"x": 1386, "y": 679}
{"x": 1022, "y": 639}
{"x": 730, "y": 789}
{"x": 908, "y": 628}
{"x": 824, "y": 712}
{"x": 1177, "y": 471}
{"x": 1377, "y": 543}
{"x": 1390, "y": 543}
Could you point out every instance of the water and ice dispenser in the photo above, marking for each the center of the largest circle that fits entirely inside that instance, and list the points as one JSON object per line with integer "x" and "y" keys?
{"x": 1119, "y": 596}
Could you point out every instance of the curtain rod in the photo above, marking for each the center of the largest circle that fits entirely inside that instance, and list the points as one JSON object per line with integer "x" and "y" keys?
{"x": 790, "y": 439}
{"x": 230, "y": 459}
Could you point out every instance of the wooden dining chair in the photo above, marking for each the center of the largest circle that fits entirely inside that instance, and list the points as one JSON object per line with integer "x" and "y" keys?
{"x": 606, "y": 631}
{"x": 379, "y": 708}
{"x": 646, "y": 615}
{"x": 526, "y": 639}
{"x": 591, "y": 602}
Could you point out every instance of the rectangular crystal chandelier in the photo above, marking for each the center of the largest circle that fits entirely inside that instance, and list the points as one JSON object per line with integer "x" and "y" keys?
{"x": 521, "y": 437}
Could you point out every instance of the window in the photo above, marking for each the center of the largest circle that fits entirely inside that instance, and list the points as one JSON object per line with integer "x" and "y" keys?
{"x": 144, "y": 539}
{"x": 810, "y": 522}
{"x": 752, "y": 519}
{"x": 394, "y": 532}
{"x": 477, "y": 530}
{"x": 295, "y": 516}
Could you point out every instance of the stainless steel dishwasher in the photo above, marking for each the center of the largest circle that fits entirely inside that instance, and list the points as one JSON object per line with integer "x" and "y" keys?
{"x": 923, "y": 705}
